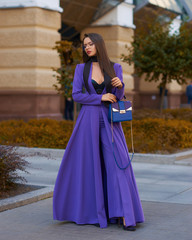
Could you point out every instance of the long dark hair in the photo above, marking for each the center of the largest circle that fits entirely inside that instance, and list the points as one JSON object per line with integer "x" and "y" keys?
{"x": 105, "y": 64}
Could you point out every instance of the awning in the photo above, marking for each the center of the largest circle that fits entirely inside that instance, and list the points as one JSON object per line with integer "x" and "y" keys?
{"x": 170, "y": 5}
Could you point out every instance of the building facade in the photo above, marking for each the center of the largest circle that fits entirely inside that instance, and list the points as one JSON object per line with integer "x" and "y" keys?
{"x": 29, "y": 30}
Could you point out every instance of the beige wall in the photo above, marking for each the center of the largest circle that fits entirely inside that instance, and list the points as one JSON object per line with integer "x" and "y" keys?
{"x": 115, "y": 39}
{"x": 174, "y": 87}
{"x": 147, "y": 86}
{"x": 27, "y": 36}
{"x": 152, "y": 87}
{"x": 185, "y": 85}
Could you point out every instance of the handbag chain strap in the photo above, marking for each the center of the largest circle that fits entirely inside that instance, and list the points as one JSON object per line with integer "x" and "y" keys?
{"x": 122, "y": 168}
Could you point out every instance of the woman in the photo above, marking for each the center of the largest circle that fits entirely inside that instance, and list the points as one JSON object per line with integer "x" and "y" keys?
{"x": 90, "y": 188}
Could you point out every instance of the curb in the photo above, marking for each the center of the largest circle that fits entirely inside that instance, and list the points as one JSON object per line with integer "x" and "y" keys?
{"x": 26, "y": 198}
{"x": 181, "y": 158}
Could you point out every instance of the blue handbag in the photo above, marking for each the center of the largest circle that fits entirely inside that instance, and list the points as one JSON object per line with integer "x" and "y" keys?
{"x": 119, "y": 112}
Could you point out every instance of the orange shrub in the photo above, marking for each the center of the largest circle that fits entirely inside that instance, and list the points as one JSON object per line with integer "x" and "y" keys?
{"x": 182, "y": 114}
{"x": 45, "y": 133}
{"x": 158, "y": 135}
{"x": 150, "y": 135}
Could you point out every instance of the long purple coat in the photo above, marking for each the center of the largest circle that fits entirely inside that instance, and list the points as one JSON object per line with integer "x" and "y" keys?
{"x": 79, "y": 194}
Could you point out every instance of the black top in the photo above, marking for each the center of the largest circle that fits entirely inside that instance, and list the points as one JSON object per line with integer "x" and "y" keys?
{"x": 98, "y": 87}
{"x": 86, "y": 74}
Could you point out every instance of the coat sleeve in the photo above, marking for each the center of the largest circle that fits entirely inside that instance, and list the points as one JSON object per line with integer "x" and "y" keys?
{"x": 78, "y": 96}
{"x": 119, "y": 93}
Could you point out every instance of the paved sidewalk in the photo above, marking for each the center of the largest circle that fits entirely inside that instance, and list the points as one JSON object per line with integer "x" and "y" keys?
{"x": 156, "y": 182}
{"x": 164, "y": 221}
{"x": 165, "y": 190}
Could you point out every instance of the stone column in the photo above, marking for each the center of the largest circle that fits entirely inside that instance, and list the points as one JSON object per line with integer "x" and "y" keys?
{"x": 28, "y": 32}
{"x": 174, "y": 95}
{"x": 117, "y": 29}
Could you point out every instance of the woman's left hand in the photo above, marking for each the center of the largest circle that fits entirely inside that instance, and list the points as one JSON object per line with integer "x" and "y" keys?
{"x": 116, "y": 82}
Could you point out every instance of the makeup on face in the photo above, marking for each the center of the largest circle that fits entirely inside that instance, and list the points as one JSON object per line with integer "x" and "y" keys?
{"x": 89, "y": 47}
{"x": 90, "y": 44}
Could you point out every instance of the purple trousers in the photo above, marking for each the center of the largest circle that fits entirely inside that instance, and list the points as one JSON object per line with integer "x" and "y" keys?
{"x": 112, "y": 195}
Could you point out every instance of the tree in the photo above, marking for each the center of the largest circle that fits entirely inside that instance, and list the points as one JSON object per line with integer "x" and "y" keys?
{"x": 70, "y": 56}
{"x": 161, "y": 56}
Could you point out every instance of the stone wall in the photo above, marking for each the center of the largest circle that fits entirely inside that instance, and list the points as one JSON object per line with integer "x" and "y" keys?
{"x": 27, "y": 36}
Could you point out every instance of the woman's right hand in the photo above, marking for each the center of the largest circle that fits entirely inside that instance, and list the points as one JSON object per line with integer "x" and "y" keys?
{"x": 109, "y": 97}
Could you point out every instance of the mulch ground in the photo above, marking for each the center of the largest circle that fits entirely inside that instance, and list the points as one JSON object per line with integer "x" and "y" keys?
{"x": 17, "y": 189}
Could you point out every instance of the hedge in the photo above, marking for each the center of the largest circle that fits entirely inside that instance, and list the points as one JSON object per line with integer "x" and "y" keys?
{"x": 150, "y": 135}
{"x": 44, "y": 133}
{"x": 180, "y": 114}
{"x": 159, "y": 135}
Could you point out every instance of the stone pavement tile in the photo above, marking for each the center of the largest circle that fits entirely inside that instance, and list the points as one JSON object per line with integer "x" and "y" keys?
{"x": 185, "y": 197}
{"x": 166, "y": 192}
{"x": 164, "y": 183}
{"x": 164, "y": 221}
{"x": 163, "y": 172}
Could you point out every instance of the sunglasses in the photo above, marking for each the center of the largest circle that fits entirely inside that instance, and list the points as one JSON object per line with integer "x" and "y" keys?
{"x": 88, "y": 45}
